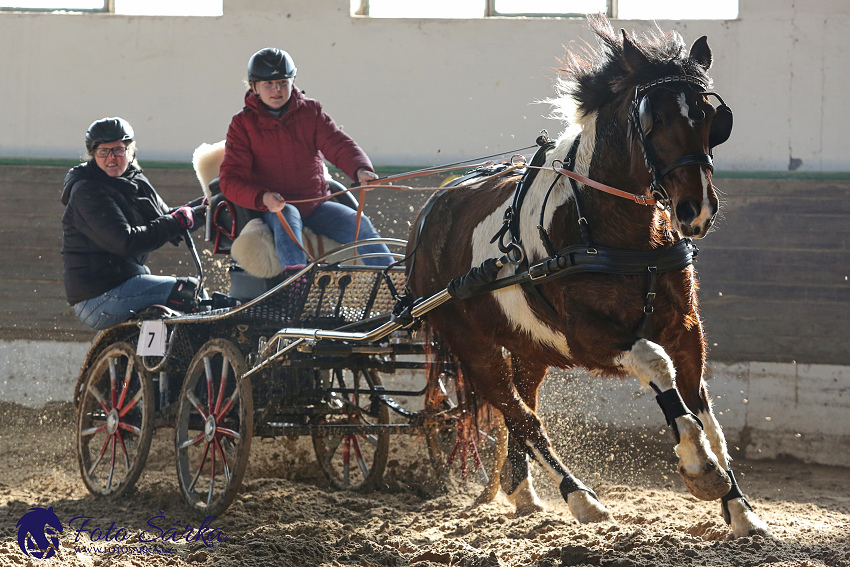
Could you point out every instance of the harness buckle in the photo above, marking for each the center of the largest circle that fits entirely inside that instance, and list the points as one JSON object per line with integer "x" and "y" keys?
{"x": 660, "y": 195}
{"x": 650, "y": 299}
{"x": 537, "y": 275}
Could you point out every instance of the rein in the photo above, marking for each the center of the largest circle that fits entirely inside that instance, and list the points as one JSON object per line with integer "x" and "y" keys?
{"x": 639, "y": 199}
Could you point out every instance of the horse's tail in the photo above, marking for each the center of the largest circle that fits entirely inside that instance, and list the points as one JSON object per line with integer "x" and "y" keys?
{"x": 445, "y": 376}
{"x": 206, "y": 160}
{"x": 478, "y": 424}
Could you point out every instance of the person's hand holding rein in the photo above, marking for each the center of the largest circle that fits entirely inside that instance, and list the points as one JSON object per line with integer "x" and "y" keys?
{"x": 364, "y": 176}
{"x": 274, "y": 202}
{"x": 185, "y": 216}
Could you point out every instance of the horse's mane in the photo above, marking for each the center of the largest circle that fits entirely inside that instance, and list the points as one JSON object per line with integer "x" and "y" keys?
{"x": 591, "y": 77}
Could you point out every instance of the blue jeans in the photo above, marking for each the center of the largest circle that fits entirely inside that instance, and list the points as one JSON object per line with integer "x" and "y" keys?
{"x": 330, "y": 219}
{"x": 119, "y": 303}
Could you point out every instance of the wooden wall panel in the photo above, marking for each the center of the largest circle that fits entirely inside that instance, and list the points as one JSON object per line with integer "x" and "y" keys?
{"x": 773, "y": 274}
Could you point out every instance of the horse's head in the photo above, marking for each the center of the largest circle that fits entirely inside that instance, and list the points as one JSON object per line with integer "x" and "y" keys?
{"x": 675, "y": 128}
{"x": 652, "y": 96}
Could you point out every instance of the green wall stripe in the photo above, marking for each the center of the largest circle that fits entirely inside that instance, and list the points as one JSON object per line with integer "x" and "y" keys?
{"x": 396, "y": 169}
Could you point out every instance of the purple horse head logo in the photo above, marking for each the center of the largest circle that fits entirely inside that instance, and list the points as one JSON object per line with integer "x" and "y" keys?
{"x": 38, "y": 532}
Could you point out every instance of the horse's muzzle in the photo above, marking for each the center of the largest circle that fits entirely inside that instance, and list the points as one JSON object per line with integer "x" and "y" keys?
{"x": 694, "y": 217}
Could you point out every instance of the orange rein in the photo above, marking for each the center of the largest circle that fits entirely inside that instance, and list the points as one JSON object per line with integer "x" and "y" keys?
{"x": 639, "y": 199}
{"x": 368, "y": 186}
{"x": 516, "y": 162}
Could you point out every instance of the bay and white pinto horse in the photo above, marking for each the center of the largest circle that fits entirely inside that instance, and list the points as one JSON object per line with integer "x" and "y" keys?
{"x": 643, "y": 123}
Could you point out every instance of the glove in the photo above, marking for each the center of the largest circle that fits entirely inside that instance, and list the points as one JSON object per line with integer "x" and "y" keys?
{"x": 199, "y": 211}
{"x": 185, "y": 216}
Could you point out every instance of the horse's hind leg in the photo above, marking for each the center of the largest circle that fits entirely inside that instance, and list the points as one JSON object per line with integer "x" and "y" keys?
{"x": 529, "y": 437}
{"x": 519, "y": 487}
{"x": 698, "y": 465}
{"x": 492, "y": 378}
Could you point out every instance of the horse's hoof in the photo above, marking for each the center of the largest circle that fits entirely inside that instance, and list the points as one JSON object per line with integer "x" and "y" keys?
{"x": 746, "y": 523}
{"x": 710, "y": 483}
{"x": 485, "y": 497}
{"x": 525, "y": 499}
{"x": 491, "y": 490}
{"x": 587, "y": 509}
{"x": 529, "y": 508}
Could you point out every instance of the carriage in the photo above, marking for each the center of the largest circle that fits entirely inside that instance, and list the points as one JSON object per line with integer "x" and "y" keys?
{"x": 584, "y": 260}
{"x": 304, "y": 354}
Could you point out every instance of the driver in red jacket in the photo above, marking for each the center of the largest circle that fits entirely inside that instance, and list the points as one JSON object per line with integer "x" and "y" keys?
{"x": 274, "y": 154}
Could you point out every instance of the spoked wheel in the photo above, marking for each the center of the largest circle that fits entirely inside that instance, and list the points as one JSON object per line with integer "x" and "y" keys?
{"x": 353, "y": 460}
{"x": 114, "y": 421}
{"x": 214, "y": 427}
{"x": 464, "y": 445}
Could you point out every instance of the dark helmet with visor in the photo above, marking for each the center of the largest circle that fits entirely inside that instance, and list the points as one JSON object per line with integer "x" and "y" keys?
{"x": 271, "y": 64}
{"x": 108, "y": 130}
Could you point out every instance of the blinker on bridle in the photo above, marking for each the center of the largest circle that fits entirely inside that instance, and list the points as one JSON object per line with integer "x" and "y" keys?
{"x": 642, "y": 122}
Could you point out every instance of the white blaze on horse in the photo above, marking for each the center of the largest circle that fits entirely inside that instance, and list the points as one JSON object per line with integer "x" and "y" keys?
{"x": 600, "y": 281}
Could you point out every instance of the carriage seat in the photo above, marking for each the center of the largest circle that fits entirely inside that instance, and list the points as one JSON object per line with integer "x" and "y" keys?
{"x": 241, "y": 232}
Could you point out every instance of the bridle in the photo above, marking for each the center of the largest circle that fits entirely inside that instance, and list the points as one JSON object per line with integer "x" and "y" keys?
{"x": 640, "y": 118}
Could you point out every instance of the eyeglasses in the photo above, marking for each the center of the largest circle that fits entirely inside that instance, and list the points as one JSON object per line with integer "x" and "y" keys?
{"x": 119, "y": 151}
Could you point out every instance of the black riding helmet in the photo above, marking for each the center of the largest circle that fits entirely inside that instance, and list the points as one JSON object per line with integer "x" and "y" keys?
{"x": 108, "y": 130}
{"x": 271, "y": 64}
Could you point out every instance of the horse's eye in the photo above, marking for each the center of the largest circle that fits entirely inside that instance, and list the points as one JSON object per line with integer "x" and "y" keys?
{"x": 656, "y": 118}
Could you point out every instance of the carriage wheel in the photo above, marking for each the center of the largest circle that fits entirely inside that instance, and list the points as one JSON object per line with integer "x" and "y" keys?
{"x": 464, "y": 446}
{"x": 353, "y": 461}
{"x": 114, "y": 421}
{"x": 214, "y": 427}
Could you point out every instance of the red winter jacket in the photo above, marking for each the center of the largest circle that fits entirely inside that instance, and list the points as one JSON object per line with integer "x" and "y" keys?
{"x": 284, "y": 155}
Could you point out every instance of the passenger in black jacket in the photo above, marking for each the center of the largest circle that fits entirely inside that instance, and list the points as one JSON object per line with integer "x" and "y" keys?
{"x": 113, "y": 219}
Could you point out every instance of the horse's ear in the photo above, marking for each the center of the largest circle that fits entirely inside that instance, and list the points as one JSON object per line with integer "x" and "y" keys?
{"x": 701, "y": 53}
{"x": 632, "y": 55}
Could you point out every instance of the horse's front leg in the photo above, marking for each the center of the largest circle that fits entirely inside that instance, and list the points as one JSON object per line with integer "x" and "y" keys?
{"x": 734, "y": 506}
{"x": 704, "y": 476}
{"x": 704, "y": 459}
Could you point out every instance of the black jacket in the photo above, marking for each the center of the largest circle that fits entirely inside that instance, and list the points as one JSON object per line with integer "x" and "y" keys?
{"x": 109, "y": 227}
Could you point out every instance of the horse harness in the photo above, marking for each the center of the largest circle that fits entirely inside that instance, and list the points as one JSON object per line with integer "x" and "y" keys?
{"x": 589, "y": 257}
{"x": 581, "y": 258}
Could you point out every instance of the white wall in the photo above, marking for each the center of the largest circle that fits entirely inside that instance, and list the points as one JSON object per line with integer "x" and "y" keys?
{"x": 766, "y": 410}
{"x": 410, "y": 91}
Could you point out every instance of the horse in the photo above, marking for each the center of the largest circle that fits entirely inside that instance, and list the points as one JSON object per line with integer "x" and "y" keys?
{"x": 640, "y": 125}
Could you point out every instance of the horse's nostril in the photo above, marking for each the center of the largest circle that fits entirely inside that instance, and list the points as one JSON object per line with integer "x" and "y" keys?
{"x": 687, "y": 210}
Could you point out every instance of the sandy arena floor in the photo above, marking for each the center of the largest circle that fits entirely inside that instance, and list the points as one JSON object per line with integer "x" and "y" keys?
{"x": 285, "y": 513}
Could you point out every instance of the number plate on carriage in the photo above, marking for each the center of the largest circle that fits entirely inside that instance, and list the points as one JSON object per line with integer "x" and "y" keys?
{"x": 152, "y": 339}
